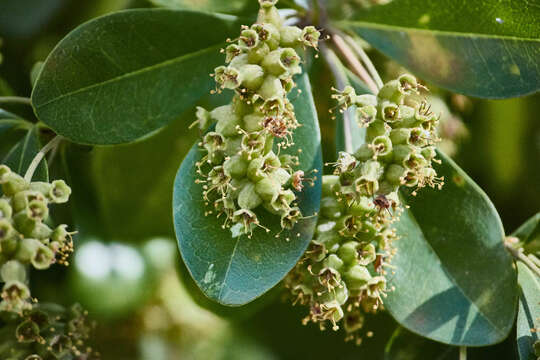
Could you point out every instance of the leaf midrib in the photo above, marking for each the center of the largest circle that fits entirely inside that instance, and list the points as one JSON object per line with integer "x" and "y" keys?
{"x": 134, "y": 73}
{"x": 381, "y": 26}
{"x": 451, "y": 278}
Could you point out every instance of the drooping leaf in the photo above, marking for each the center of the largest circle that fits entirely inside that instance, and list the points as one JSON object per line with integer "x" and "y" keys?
{"x": 236, "y": 270}
{"x": 122, "y": 76}
{"x": 528, "y": 320}
{"x": 22, "y": 154}
{"x": 486, "y": 49}
{"x": 454, "y": 281}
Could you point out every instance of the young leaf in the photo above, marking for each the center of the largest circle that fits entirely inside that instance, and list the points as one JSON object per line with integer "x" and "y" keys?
{"x": 21, "y": 155}
{"x": 236, "y": 270}
{"x": 528, "y": 320}
{"x": 454, "y": 281}
{"x": 125, "y": 75}
{"x": 486, "y": 49}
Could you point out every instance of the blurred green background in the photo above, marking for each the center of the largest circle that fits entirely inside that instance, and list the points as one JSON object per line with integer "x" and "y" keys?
{"x": 126, "y": 269}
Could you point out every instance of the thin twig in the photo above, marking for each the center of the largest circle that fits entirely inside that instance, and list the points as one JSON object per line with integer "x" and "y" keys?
{"x": 16, "y": 100}
{"x": 341, "y": 81}
{"x": 519, "y": 255}
{"x": 462, "y": 353}
{"x": 356, "y": 65}
{"x": 534, "y": 259}
{"x": 39, "y": 156}
{"x": 365, "y": 59}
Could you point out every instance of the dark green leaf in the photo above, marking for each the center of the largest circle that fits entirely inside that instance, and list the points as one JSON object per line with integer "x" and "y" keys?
{"x": 234, "y": 271}
{"x": 125, "y": 75}
{"x": 22, "y": 154}
{"x": 454, "y": 281}
{"x": 486, "y": 48}
{"x": 528, "y": 321}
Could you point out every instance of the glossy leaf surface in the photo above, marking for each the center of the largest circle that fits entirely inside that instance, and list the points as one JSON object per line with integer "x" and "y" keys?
{"x": 454, "y": 280}
{"x": 236, "y": 270}
{"x": 122, "y": 76}
{"x": 485, "y": 48}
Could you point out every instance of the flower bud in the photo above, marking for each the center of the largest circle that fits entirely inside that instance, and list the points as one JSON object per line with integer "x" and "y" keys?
{"x": 333, "y": 261}
{"x": 22, "y": 199}
{"x": 4, "y": 172}
{"x": 268, "y": 189}
{"x": 41, "y": 231}
{"x": 5, "y": 209}
{"x": 268, "y": 14}
{"x": 366, "y": 185}
{"x": 252, "y": 76}
{"x": 246, "y": 219}
{"x": 6, "y": 229}
{"x": 348, "y": 252}
{"x": 248, "y": 197}
{"x": 291, "y": 36}
{"x": 272, "y": 89}
{"x": 235, "y": 166}
{"x": 13, "y": 270}
{"x": 227, "y": 120}
{"x": 38, "y": 210}
{"x": 256, "y": 55}
{"x": 253, "y": 122}
{"x": 283, "y": 201}
{"x": 394, "y": 173}
{"x": 12, "y": 183}
{"x": 357, "y": 277}
{"x": 282, "y": 61}
{"x": 14, "y": 296}
{"x": 382, "y": 146}
{"x": 203, "y": 118}
{"x": 390, "y": 112}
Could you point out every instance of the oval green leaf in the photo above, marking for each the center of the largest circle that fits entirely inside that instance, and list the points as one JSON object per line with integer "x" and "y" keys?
{"x": 22, "y": 154}
{"x": 528, "y": 320}
{"x": 405, "y": 345}
{"x": 487, "y": 49}
{"x": 122, "y": 76}
{"x": 235, "y": 271}
{"x": 454, "y": 281}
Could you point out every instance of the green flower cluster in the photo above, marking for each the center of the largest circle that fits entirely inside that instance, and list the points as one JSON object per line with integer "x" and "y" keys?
{"x": 25, "y": 236}
{"x": 47, "y": 331}
{"x": 342, "y": 276}
{"x": 240, "y": 171}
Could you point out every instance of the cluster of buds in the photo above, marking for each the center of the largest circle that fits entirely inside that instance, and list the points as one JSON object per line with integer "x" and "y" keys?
{"x": 48, "y": 331}
{"x": 26, "y": 237}
{"x": 343, "y": 275}
{"x": 241, "y": 169}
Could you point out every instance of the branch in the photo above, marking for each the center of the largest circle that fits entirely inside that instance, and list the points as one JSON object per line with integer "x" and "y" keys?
{"x": 39, "y": 156}
{"x": 341, "y": 81}
{"x": 365, "y": 59}
{"x": 356, "y": 65}
{"x": 16, "y": 100}
{"x": 519, "y": 255}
